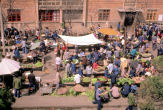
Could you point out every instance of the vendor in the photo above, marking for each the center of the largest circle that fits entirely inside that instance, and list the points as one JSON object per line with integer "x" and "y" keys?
{"x": 96, "y": 67}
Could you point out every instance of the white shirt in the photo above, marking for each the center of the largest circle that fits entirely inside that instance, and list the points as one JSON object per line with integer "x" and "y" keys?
{"x": 58, "y": 60}
{"x": 77, "y": 78}
{"x": 110, "y": 67}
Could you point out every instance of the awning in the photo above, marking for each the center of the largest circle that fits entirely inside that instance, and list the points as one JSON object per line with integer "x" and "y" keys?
{"x": 81, "y": 40}
{"x": 129, "y": 10}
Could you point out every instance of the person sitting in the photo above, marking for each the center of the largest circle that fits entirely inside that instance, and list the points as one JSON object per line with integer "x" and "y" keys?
{"x": 132, "y": 72}
{"x": 125, "y": 90}
{"x": 96, "y": 67}
{"x": 115, "y": 91}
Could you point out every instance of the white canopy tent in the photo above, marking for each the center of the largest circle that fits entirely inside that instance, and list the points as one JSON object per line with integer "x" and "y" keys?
{"x": 8, "y": 66}
{"x": 81, "y": 40}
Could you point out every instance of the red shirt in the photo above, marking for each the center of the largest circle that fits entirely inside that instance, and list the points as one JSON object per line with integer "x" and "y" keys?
{"x": 95, "y": 65}
{"x": 64, "y": 48}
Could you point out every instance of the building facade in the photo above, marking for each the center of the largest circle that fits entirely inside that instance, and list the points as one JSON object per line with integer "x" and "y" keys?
{"x": 38, "y": 14}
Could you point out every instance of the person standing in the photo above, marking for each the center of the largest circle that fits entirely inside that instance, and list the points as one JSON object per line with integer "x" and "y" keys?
{"x": 57, "y": 80}
{"x": 131, "y": 101}
{"x": 58, "y": 62}
{"x": 32, "y": 82}
{"x": 97, "y": 84}
{"x": 17, "y": 86}
{"x": 98, "y": 97}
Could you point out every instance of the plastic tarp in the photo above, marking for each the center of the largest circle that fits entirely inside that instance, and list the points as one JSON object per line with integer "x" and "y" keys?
{"x": 81, "y": 40}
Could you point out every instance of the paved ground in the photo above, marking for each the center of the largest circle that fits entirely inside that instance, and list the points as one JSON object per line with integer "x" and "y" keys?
{"x": 66, "y": 103}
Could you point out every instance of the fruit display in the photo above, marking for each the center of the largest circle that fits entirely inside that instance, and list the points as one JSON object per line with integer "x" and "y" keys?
{"x": 122, "y": 81}
{"x": 66, "y": 80}
{"x": 86, "y": 80}
{"x": 38, "y": 64}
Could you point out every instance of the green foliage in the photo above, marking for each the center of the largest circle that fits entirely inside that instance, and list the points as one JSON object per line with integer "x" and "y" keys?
{"x": 90, "y": 94}
{"x": 147, "y": 106}
{"x": 158, "y": 62}
{"x": 6, "y": 99}
{"x": 123, "y": 80}
{"x": 152, "y": 88}
{"x": 66, "y": 80}
{"x": 38, "y": 64}
{"x": 71, "y": 92}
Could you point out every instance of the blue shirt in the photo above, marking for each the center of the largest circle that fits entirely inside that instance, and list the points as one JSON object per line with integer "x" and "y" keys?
{"x": 97, "y": 84}
{"x": 132, "y": 73}
{"x": 117, "y": 62}
{"x": 96, "y": 55}
{"x": 106, "y": 73}
{"x": 98, "y": 92}
{"x": 18, "y": 42}
{"x": 116, "y": 44}
{"x": 140, "y": 38}
{"x": 133, "y": 52}
{"x": 116, "y": 70}
{"x": 80, "y": 72}
{"x": 126, "y": 89}
{"x": 73, "y": 66}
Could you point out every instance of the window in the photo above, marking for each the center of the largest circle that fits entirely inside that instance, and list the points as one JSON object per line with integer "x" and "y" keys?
{"x": 14, "y": 15}
{"x": 73, "y": 15}
{"x": 151, "y": 14}
{"x": 49, "y": 15}
{"x": 103, "y": 15}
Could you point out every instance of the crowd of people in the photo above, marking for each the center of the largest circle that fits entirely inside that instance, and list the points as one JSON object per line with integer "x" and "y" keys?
{"x": 115, "y": 61}
{"x": 116, "y": 58}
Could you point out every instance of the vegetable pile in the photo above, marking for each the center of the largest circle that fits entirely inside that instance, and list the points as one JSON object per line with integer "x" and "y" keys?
{"x": 122, "y": 81}
{"x": 65, "y": 80}
{"x": 86, "y": 80}
{"x": 38, "y": 64}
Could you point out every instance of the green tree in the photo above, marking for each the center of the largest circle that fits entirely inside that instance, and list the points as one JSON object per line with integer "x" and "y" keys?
{"x": 6, "y": 99}
{"x": 151, "y": 93}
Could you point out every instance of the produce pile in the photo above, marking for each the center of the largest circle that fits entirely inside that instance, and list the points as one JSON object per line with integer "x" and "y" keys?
{"x": 27, "y": 66}
{"x": 67, "y": 80}
{"x": 86, "y": 80}
{"x": 38, "y": 64}
{"x": 122, "y": 81}
{"x": 79, "y": 88}
{"x": 75, "y": 61}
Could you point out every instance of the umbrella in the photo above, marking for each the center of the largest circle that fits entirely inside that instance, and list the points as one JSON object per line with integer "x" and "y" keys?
{"x": 8, "y": 66}
{"x": 108, "y": 31}
{"x": 35, "y": 45}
